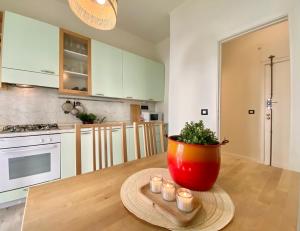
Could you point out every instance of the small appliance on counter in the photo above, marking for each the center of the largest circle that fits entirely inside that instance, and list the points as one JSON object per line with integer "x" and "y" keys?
{"x": 152, "y": 116}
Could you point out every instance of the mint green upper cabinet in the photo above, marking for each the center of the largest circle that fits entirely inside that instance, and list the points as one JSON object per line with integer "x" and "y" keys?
{"x": 107, "y": 70}
{"x": 134, "y": 76}
{"x": 30, "y": 45}
{"x": 155, "y": 80}
{"x": 143, "y": 78}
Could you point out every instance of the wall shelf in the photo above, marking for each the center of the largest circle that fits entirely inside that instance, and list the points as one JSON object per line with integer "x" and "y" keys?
{"x": 75, "y": 55}
{"x": 78, "y": 74}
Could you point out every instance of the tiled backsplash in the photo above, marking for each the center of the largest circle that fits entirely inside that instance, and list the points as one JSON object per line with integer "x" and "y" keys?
{"x": 43, "y": 105}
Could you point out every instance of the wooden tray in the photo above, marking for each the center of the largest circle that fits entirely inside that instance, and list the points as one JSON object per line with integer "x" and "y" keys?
{"x": 169, "y": 209}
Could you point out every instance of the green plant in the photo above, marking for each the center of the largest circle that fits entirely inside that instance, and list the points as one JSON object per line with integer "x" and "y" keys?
{"x": 87, "y": 118}
{"x": 196, "y": 133}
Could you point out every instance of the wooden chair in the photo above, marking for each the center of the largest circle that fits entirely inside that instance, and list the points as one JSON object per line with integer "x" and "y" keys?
{"x": 149, "y": 138}
{"x": 103, "y": 131}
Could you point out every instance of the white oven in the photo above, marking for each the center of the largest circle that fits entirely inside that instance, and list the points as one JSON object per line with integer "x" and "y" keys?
{"x": 28, "y": 160}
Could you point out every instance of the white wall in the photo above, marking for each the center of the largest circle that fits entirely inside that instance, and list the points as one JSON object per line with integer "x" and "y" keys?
{"x": 163, "y": 53}
{"x": 57, "y": 12}
{"x": 196, "y": 29}
{"x": 242, "y": 87}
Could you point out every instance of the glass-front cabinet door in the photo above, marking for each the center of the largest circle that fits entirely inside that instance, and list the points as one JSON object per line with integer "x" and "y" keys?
{"x": 75, "y": 63}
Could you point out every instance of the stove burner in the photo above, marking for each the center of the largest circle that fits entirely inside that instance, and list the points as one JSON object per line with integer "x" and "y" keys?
{"x": 30, "y": 127}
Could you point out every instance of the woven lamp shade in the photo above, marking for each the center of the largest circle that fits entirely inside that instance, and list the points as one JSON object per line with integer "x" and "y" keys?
{"x": 99, "y": 16}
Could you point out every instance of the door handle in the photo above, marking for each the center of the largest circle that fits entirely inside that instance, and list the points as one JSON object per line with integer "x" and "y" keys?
{"x": 48, "y": 72}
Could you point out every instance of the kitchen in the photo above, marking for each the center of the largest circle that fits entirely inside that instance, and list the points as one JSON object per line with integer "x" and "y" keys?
{"x": 87, "y": 102}
{"x": 41, "y": 90}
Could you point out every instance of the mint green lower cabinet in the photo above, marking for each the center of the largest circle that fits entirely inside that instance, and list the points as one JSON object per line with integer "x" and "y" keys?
{"x": 130, "y": 144}
{"x": 107, "y": 70}
{"x": 142, "y": 145}
{"x": 13, "y": 195}
{"x": 68, "y": 149}
{"x": 86, "y": 151}
{"x": 68, "y": 155}
{"x": 117, "y": 146}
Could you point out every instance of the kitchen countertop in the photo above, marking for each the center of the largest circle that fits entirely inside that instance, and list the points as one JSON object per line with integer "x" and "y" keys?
{"x": 63, "y": 128}
{"x": 265, "y": 198}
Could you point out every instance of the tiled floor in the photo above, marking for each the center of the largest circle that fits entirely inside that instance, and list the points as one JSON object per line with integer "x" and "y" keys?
{"x": 11, "y": 218}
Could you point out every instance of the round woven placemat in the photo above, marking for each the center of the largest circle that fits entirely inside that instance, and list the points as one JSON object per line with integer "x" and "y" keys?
{"x": 217, "y": 211}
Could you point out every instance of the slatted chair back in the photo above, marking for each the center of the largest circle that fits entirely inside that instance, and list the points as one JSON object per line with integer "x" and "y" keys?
{"x": 104, "y": 134}
{"x": 149, "y": 138}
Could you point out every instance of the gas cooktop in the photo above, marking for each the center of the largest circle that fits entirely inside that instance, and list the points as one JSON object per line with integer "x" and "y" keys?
{"x": 29, "y": 128}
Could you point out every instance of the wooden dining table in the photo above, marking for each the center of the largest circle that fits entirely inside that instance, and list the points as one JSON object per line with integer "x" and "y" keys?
{"x": 265, "y": 198}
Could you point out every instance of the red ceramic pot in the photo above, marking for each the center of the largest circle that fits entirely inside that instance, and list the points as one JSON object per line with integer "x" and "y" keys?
{"x": 193, "y": 166}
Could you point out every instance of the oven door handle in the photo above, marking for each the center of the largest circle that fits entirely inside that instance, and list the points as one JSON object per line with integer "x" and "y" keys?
{"x": 28, "y": 149}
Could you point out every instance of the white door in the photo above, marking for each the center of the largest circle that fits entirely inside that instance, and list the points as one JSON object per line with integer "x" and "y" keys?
{"x": 277, "y": 115}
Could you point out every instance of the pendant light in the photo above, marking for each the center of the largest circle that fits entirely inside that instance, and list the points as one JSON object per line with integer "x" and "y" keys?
{"x": 100, "y": 14}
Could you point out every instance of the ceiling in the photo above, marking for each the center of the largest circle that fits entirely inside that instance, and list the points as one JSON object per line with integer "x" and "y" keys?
{"x": 148, "y": 19}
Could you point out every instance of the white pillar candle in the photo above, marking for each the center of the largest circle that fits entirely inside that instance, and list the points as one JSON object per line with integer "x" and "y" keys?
{"x": 168, "y": 191}
{"x": 184, "y": 199}
{"x": 155, "y": 184}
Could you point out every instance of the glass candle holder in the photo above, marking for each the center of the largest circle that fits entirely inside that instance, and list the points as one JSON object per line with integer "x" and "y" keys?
{"x": 155, "y": 184}
{"x": 168, "y": 190}
{"x": 184, "y": 199}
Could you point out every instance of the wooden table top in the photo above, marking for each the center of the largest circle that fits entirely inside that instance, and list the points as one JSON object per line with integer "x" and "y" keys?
{"x": 266, "y": 198}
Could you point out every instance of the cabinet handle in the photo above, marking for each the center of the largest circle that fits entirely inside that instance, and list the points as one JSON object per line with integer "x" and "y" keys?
{"x": 129, "y": 97}
{"x": 48, "y": 72}
{"x": 151, "y": 99}
{"x": 100, "y": 94}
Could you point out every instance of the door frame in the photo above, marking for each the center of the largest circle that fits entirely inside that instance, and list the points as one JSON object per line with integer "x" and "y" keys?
{"x": 235, "y": 35}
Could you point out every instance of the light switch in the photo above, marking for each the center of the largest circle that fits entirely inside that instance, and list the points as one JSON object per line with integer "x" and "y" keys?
{"x": 251, "y": 112}
{"x": 204, "y": 111}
